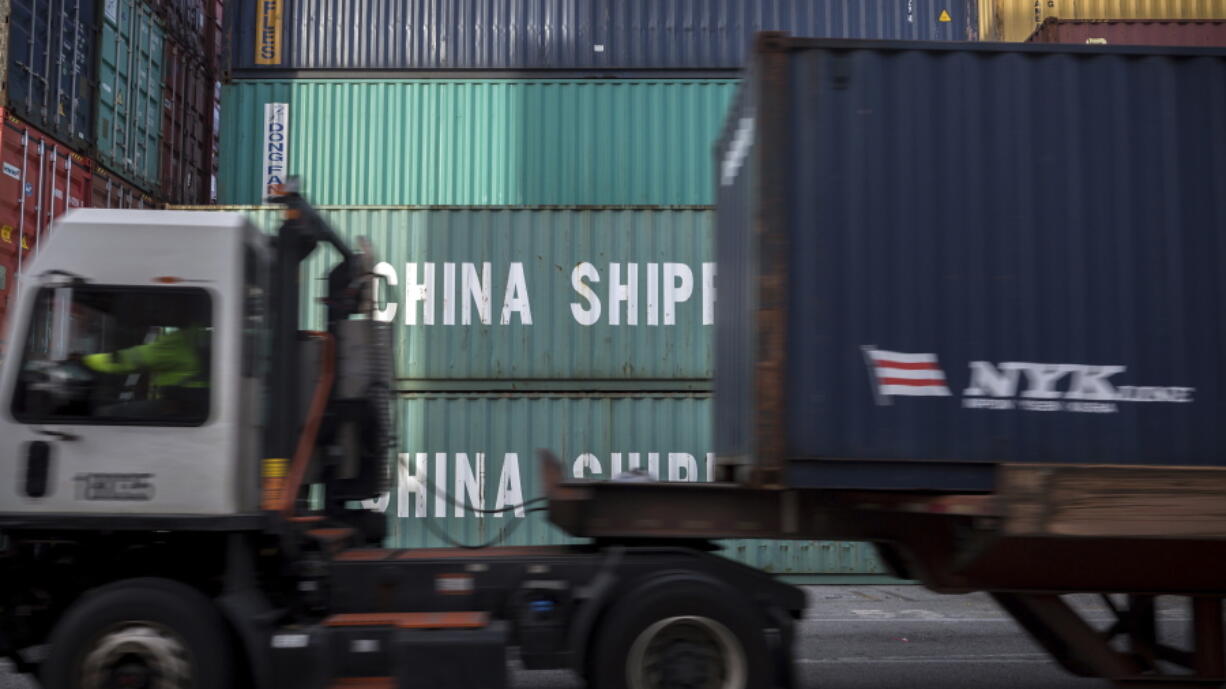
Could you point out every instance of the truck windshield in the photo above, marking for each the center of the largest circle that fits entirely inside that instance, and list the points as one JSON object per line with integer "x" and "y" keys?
{"x": 96, "y": 354}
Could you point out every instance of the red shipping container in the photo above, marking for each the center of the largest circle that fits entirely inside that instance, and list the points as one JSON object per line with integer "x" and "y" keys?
{"x": 190, "y": 117}
{"x": 109, "y": 190}
{"x": 1178, "y": 32}
{"x": 213, "y": 15}
{"x": 41, "y": 178}
{"x": 8, "y": 278}
{"x": 184, "y": 21}
{"x": 187, "y": 113}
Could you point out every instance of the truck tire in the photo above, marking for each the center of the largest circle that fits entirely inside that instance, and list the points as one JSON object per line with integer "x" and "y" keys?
{"x": 143, "y": 634}
{"x": 680, "y": 634}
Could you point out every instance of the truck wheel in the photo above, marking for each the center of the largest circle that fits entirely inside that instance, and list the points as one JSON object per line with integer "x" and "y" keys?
{"x": 140, "y": 634}
{"x": 680, "y": 635}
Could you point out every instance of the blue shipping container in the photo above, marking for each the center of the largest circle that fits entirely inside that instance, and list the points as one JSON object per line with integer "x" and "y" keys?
{"x": 965, "y": 256}
{"x": 50, "y": 66}
{"x": 278, "y": 35}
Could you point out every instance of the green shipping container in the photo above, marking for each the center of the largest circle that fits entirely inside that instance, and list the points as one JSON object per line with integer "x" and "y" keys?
{"x": 129, "y": 112}
{"x": 604, "y": 397}
{"x": 473, "y": 142}
{"x": 480, "y": 451}
{"x": 523, "y": 298}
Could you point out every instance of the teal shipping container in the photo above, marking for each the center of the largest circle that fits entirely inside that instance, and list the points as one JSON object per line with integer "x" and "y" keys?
{"x": 477, "y": 400}
{"x": 522, "y": 298}
{"x": 480, "y": 451}
{"x": 128, "y": 116}
{"x": 473, "y": 142}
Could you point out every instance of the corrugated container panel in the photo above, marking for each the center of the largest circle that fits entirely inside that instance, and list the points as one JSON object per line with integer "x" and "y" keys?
{"x": 213, "y": 14}
{"x": 1015, "y": 20}
{"x": 190, "y": 115}
{"x": 109, "y": 190}
{"x": 40, "y": 179}
{"x": 129, "y": 113}
{"x": 481, "y": 451}
{"x": 505, "y": 142}
{"x": 187, "y": 127}
{"x": 214, "y": 18}
{"x": 8, "y": 278}
{"x": 965, "y": 281}
{"x": 1191, "y": 32}
{"x": 736, "y": 326}
{"x": 215, "y": 143}
{"x": 619, "y": 35}
{"x": 653, "y": 337}
{"x": 806, "y": 557}
{"x": 48, "y": 53}
{"x": 185, "y": 23}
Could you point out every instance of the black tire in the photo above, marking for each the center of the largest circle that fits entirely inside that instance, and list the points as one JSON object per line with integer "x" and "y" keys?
{"x": 691, "y": 605}
{"x": 181, "y": 617}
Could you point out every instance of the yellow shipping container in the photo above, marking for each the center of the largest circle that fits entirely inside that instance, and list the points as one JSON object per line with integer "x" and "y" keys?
{"x": 1014, "y": 20}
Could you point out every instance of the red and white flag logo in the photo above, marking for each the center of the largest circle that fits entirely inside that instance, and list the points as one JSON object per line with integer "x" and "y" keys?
{"x": 899, "y": 373}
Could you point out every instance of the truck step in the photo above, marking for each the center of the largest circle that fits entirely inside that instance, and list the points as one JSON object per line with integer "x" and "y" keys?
{"x": 394, "y": 650}
{"x": 333, "y": 540}
{"x": 410, "y": 620}
{"x": 363, "y": 683}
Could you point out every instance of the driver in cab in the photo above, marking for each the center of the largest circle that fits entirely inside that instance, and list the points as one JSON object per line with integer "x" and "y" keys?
{"x": 173, "y": 362}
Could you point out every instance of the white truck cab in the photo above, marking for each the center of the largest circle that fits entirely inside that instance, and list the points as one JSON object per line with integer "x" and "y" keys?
{"x": 163, "y": 420}
{"x": 111, "y": 398}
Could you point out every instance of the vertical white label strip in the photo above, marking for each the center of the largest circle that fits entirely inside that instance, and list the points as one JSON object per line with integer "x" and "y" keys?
{"x": 276, "y": 146}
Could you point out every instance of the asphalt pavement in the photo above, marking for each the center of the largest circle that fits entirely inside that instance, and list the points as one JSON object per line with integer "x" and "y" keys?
{"x": 906, "y": 637}
{"x": 898, "y": 637}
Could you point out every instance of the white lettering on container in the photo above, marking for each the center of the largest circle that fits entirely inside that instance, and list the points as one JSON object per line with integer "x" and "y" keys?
{"x": 276, "y": 147}
{"x": 516, "y": 298}
{"x": 386, "y": 313}
{"x": 589, "y": 315}
{"x": 627, "y": 292}
{"x": 472, "y": 476}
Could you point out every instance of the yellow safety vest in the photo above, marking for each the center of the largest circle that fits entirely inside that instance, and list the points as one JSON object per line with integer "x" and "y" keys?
{"x": 171, "y": 359}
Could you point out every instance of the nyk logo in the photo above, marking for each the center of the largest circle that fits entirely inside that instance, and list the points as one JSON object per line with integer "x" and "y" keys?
{"x": 1011, "y": 385}
{"x": 912, "y": 375}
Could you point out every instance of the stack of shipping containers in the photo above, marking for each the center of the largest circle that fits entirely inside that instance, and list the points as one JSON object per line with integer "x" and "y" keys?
{"x": 537, "y": 177}
{"x": 105, "y": 103}
{"x": 537, "y": 174}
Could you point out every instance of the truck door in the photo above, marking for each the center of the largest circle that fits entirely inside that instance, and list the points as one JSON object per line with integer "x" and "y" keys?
{"x": 115, "y": 398}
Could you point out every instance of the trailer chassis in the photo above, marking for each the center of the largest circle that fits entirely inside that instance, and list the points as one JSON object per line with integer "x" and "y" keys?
{"x": 1127, "y": 533}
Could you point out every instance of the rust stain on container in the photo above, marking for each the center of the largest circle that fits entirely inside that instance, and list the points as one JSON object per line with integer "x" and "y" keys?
{"x": 1014, "y": 20}
{"x": 1194, "y": 32}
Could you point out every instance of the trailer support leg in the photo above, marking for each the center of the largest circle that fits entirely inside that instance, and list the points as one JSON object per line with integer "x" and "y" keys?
{"x": 1083, "y": 650}
{"x": 1210, "y": 653}
{"x": 1143, "y": 629}
{"x": 1060, "y": 630}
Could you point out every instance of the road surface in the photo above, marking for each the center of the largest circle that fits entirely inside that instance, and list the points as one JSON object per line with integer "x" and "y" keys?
{"x": 906, "y": 637}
